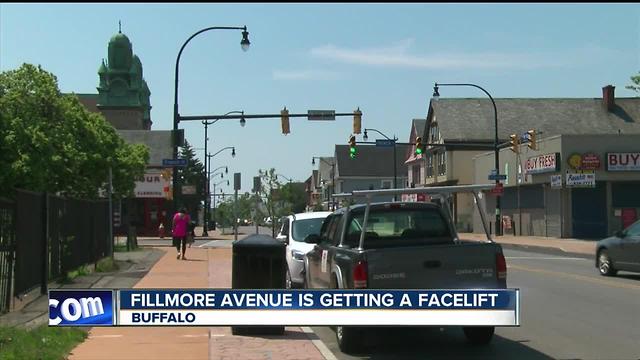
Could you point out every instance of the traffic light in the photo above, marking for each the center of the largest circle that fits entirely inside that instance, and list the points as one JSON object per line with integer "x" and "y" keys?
{"x": 515, "y": 143}
{"x": 352, "y": 147}
{"x": 357, "y": 121}
{"x": 284, "y": 114}
{"x": 532, "y": 140}
{"x": 419, "y": 146}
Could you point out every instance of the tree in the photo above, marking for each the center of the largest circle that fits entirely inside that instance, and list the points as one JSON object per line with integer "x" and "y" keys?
{"x": 636, "y": 83}
{"x": 194, "y": 175}
{"x": 50, "y": 142}
{"x": 272, "y": 197}
{"x": 294, "y": 194}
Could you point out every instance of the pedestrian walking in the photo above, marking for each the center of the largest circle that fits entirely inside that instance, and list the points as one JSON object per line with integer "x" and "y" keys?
{"x": 180, "y": 231}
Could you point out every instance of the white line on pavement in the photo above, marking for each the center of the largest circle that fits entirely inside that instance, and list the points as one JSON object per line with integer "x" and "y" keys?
{"x": 542, "y": 258}
{"x": 199, "y": 335}
{"x": 324, "y": 350}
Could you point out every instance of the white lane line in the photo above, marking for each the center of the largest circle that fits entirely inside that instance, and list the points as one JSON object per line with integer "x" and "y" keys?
{"x": 199, "y": 335}
{"x": 105, "y": 336}
{"x": 217, "y": 335}
{"x": 542, "y": 258}
{"x": 324, "y": 350}
{"x": 212, "y": 242}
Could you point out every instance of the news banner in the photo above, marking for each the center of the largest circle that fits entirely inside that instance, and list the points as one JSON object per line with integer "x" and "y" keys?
{"x": 234, "y": 307}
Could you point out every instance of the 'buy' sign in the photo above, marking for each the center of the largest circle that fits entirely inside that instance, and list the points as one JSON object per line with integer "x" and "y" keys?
{"x": 623, "y": 161}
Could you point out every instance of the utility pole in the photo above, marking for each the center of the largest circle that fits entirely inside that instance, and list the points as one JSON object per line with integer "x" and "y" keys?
{"x": 111, "y": 212}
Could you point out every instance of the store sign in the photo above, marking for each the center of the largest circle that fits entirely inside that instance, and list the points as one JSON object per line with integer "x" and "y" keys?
{"x": 556, "y": 181}
{"x": 188, "y": 190}
{"x": 152, "y": 185}
{"x": 581, "y": 180}
{"x": 543, "y": 163}
{"x": 587, "y": 161}
{"x": 623, "y": 161}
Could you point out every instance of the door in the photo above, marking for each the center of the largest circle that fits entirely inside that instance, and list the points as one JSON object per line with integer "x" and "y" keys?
{"x": 589, "y": 212}
{"x": 319, "y": 268}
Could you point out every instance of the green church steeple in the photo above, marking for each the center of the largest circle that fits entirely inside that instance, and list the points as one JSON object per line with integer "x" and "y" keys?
{"x": 122, "y": 83}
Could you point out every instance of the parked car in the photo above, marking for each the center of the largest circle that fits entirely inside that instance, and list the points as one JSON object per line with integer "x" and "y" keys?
{"x": 294, "y": 229}
{"x": 620, "y": 251}
{"x": 405, "y": 246}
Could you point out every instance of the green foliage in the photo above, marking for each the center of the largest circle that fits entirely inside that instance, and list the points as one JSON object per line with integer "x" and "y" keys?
{"x": 40, "y": 343}
{"x": 106, "y": 265}
{"x": 636, "y": 83}
{"x": 51, "y": 142}
{"x": 193, "y": 174}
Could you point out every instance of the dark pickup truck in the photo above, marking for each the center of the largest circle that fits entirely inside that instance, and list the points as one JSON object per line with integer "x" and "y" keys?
{"x": 405, "y": 245}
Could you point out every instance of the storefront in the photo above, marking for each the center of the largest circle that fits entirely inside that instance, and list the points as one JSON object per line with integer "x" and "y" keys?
{"x": 150, "y": 206}
{"x": 575, "y": 186}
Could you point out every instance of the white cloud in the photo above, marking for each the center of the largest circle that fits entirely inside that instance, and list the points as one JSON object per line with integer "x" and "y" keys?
{"x": 305, "y": 75}
{"x": 398, "y": 55}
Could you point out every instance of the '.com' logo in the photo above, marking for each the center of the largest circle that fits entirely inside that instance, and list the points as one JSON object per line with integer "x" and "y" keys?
{"x": 81, "y": 307}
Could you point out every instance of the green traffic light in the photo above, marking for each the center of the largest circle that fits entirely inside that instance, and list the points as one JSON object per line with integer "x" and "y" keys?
{"x": 352, "y": 152}
{"x": 418, "y": 151}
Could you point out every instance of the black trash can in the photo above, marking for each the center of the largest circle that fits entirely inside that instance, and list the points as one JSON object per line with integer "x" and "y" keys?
{"x": 259, "y": 262}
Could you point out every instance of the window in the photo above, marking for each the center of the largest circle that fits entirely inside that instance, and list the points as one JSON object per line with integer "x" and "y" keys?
{"x": 429, "y": 165}
{"x": 634, "y": 229}
{"x": 442, "y": 166}
{"x": 399, "y": 227}
{"x": 285, "y": 227}
{"x": 306, "y": 227}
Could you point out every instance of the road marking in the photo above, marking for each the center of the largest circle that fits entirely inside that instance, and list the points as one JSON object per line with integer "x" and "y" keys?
{"x": 324, "y": 350}
{"x": 577, "y": 277}
{"x": 199, "y": 335}
{"x": 542, "y": 258}
{"x": 217, "y": 335}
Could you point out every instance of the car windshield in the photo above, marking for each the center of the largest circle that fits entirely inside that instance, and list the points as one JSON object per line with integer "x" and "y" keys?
{"x": 304, "y": 228}
{"x": 399, "y": 227}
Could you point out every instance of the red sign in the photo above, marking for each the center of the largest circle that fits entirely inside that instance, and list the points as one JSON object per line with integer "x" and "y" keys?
{"x": 590, "y": 161}
{"x": 498, "y": 190}
{"x": 629, "y": 216}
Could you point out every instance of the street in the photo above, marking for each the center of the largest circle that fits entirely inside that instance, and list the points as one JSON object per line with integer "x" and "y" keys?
{"x": 568, "y": 311}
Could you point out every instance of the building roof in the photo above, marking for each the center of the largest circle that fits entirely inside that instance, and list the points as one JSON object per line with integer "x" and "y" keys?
{"x": 90, "y": 102}
{"x": 473, "y": 119}
{"x": 419, "y": 124}
{"x": 370, "y": 161}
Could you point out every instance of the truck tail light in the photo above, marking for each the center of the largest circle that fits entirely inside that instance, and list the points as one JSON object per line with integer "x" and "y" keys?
{"x": 360, "y": 275}
{"x": 501, "y": 266}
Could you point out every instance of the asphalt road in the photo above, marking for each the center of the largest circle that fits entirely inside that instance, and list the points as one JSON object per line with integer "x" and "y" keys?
{"x": 568, "y": 311}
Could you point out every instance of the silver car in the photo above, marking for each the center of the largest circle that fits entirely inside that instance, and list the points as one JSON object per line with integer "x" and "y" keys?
{"x": 619, "y": 252}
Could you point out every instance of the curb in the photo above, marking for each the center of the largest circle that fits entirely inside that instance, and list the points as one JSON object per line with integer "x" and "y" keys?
{"x": 545, "y": 250}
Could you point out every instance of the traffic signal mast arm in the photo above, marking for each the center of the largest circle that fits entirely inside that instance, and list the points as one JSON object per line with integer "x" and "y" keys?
{"x": 249, "y": 116}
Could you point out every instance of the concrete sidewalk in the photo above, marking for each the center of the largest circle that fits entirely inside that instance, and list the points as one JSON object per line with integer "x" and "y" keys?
{"x": 204, "y": 268}
{"x": 584, "y": 248}
{"x": 132, "y": 267}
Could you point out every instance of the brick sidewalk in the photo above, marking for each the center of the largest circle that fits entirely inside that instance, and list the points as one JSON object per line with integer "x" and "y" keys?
{"x": 204, "y": 268}
{"x": 585, "y": 247}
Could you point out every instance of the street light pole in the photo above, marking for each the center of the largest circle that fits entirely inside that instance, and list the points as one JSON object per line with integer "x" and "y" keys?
{"x": 495, "y": 145}
{"x": 176, "y": 115}
{"x": 395, "y": 167}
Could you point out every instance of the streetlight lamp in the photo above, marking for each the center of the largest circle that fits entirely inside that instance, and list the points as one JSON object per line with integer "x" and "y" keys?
{"x": 496, "y": 151}
{"x": 206, "y": 141}
{"x": 244, "y": 44}
{"x": 395, "y": 170}
{"x": 333, "y": 172}
{"x": 286, "y": 178}
{"x": 209, "y": 174}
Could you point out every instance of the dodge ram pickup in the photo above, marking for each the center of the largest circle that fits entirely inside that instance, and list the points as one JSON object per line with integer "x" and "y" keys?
{"x": 402, "y": 245}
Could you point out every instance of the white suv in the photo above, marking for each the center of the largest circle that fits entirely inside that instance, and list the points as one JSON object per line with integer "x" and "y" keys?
{"x": 293, "y": 231}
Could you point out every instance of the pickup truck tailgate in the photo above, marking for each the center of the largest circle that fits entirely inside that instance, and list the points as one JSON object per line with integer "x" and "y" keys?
{"x": 450, "y": 266}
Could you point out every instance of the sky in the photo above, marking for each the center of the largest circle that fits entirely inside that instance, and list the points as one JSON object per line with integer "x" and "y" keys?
{"x": 382, "y": 58}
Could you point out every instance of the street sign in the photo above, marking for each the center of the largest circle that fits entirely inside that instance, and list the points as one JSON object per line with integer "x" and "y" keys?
{"x": 497, "y": 177}
{"x": 384, "y": 143}
{"x": 188, "y": 190}
{"x": 321, "y": 115}
{"x": 494, "y": 172}
{"x": 174, "y": 162}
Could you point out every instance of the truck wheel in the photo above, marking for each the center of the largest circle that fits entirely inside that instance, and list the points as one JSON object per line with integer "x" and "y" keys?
{"x": 479, "y": 335}
{"x": 350, "y": 339}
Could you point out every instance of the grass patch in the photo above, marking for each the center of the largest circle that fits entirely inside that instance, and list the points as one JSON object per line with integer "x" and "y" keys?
{"x": 43, "y": 342}
{"x": 106, "y": 265}
{"x": 69, "y": 276}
